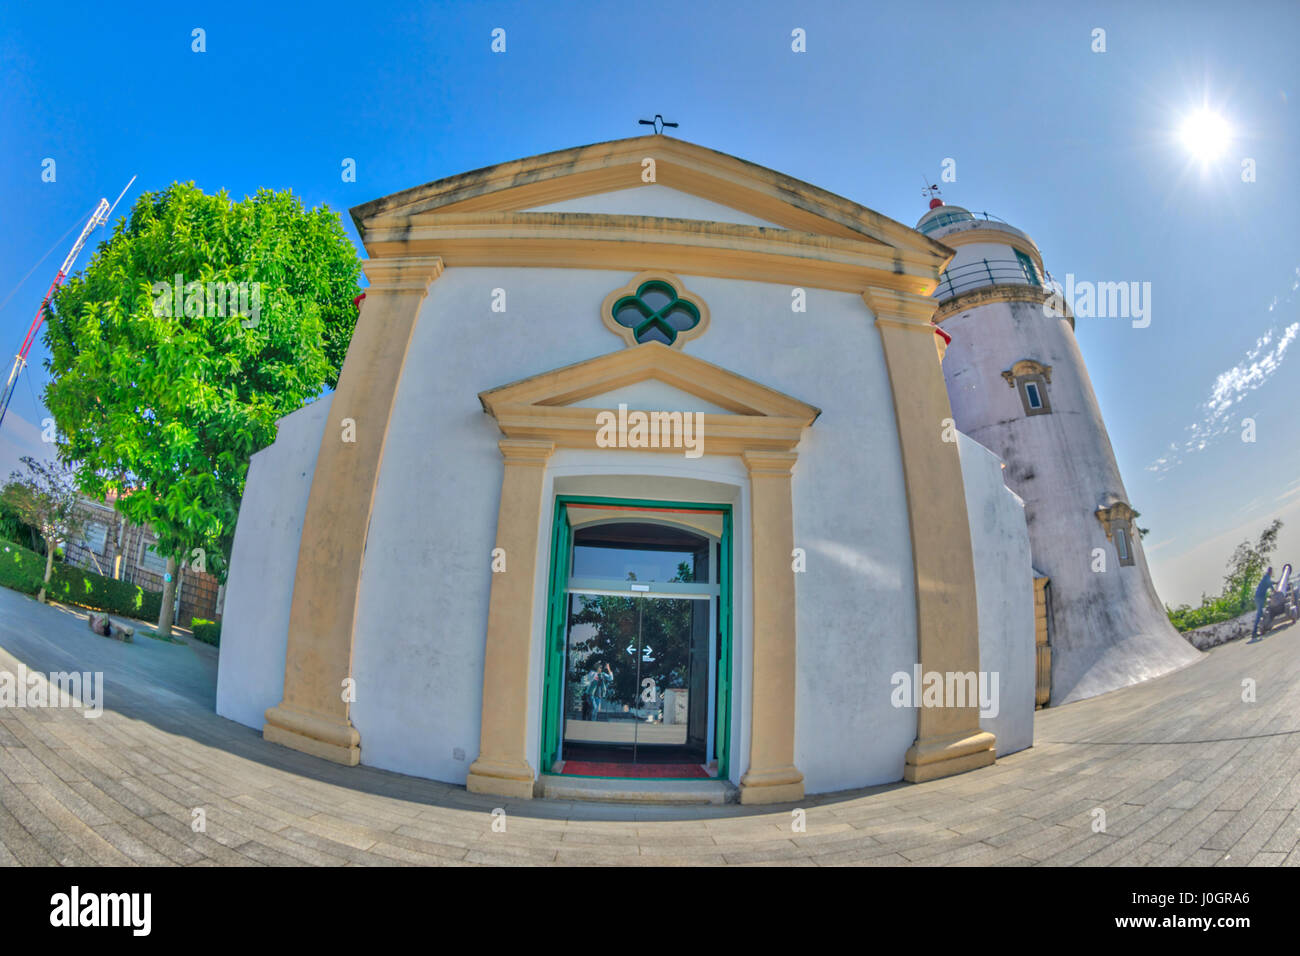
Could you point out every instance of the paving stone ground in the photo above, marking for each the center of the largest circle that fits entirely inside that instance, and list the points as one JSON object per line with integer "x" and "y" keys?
{"x": 1186, "y": 772}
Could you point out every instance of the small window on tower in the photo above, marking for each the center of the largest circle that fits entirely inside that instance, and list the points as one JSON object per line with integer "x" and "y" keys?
{"x": 1030, "y": 380}
{"x": 1123, "y": 546}
{"x": 1033, "y": 393}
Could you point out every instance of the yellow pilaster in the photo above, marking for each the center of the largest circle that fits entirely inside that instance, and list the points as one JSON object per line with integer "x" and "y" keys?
{"x": 501, "y": 767}
{"x": 772, "y": 776}
{"x": 948, "y": 739}
{"x": 314, "y": 715}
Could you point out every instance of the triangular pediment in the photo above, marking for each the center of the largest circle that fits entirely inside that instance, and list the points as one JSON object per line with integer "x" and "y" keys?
{"x": 522, "y": 185}
{"x": 564, "y": 405}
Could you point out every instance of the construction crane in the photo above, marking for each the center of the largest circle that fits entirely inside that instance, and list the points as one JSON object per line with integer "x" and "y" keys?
{"x": 97, "y": 218}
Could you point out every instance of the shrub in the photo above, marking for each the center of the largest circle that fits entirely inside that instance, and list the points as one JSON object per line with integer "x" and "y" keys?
{"x": 1210, "y": 611}
{"x": 209, "y": 632}
{"x": 23, "y": 570}
{"x": 72, "y": 585}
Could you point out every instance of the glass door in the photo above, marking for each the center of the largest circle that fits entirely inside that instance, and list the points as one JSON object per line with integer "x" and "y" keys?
{"x": 637, "y": 682}
{"x": 639, "y": 662}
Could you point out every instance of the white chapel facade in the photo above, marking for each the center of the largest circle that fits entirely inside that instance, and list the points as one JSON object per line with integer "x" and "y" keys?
{"x": 633, "y": 476}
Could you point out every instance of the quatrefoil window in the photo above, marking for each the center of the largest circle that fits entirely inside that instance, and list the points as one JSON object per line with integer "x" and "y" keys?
{"x": 654, "y": 307}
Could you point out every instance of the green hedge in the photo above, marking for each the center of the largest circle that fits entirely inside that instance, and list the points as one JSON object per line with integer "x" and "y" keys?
{"x": 209, "y": 632}
{"x": 23, "y": 570}
{"x": 20, "y": 568}
{"x": 1211, "y": 611}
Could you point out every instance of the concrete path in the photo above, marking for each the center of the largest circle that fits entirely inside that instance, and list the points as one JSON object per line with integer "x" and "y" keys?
{"x": 1185, "y": 771}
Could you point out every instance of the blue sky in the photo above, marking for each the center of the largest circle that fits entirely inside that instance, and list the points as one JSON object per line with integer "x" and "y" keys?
{"x": 1080, "y": 149}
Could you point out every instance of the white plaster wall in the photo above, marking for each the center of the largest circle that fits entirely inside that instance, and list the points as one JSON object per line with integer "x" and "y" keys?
{"x": 1005, "y": 591}
{"x": 424, "y": 595}
{"x": 655, "y": 200}
{"x": 263, "y": 563}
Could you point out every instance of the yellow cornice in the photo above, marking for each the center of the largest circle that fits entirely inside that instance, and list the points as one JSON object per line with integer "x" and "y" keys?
{"x": 402, "y": 273}
{"x": 892, "y": 307}
{"x": 983, "y": 295}
{"x": 577, "y": 427}
{"x": 638, "y": 243}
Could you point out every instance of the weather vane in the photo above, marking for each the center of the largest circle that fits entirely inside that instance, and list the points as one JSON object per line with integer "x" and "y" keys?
{"x": 658, "y": 123}
{"x": 931, "y": 189}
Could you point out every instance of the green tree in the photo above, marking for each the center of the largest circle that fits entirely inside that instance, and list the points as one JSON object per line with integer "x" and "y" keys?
{"x": 1247, "y": 564}
{"x": 46, "y": 498}
{"x": 196, "y": 326}
{"x": 1245, "y": 568}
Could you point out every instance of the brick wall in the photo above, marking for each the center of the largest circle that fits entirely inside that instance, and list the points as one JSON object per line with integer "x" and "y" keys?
{"x": 199, "y": 592}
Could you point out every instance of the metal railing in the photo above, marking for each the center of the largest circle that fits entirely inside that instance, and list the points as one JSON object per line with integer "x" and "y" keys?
{"x": 986, "y": 272}
{"x": 947, "y": 218}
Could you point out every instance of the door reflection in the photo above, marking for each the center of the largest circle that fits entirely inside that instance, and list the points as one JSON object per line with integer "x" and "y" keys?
{"x": 637, "y": 680}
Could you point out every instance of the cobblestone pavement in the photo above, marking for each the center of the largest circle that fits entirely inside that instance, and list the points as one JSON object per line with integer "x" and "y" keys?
{"x": 1185, "y": 770}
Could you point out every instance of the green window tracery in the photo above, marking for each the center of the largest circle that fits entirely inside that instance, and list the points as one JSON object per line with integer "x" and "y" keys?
{"x": 656, "y": 313}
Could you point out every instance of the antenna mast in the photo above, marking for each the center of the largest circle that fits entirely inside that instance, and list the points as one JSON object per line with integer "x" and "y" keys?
{"x": 97, "y": 218}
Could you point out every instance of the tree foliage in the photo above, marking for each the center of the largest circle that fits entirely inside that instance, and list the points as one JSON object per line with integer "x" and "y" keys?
{"x": 194, "y": 328}
{"x": 1244, "y": 570}
{"x": 45, "y": 497}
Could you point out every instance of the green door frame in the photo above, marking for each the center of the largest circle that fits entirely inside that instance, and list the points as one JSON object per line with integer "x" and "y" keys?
{"x": 557, "y": 623}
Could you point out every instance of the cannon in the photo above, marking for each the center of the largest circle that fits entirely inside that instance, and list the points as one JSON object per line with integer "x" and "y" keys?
{"x": 1283, "y": 601}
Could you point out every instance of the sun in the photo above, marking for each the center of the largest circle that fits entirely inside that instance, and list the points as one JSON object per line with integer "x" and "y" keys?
{"x": 1206, "y": 135}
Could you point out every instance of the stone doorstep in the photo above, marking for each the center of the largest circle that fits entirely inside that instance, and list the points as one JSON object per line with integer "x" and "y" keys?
{"x": 634, "y": 790}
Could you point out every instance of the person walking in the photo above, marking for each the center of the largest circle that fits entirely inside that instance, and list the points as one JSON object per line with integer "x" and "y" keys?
{"x": 1261, "y": 598}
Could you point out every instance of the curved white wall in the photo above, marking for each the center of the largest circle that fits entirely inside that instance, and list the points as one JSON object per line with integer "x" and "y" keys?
{"x": 1004, "y": 586}
{"x": 263, "y": 562}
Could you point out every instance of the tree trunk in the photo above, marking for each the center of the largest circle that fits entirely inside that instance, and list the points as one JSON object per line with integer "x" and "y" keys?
{"x": 168, "y": 598}
{"x": 49, "y": 569}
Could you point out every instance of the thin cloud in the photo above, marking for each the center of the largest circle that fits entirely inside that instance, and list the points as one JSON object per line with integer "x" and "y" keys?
{"x": 1258, "y": 366}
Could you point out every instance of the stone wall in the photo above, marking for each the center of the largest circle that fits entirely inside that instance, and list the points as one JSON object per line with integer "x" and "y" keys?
{"x": 1212, "y": 635}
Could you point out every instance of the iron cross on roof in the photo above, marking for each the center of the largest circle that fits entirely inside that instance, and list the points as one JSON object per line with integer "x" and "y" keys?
{"x": 658, "y": 123}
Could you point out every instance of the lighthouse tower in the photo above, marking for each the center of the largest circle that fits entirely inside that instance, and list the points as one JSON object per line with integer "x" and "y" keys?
{"x": 1018, "y": 385}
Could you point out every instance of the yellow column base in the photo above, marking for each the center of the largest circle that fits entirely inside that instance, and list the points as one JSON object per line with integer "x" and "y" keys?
{"x": 937, "y": 757}
{"x": 782, "y": 785}
{"x": 501, "y": 778}
{"x": 330, "y": 739}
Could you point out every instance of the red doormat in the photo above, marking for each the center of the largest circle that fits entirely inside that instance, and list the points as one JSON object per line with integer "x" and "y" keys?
{"x": 592, "y": 768}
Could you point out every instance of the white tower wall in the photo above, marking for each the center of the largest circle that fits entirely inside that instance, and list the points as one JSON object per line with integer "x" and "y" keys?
{"x": 1107, "y": 627}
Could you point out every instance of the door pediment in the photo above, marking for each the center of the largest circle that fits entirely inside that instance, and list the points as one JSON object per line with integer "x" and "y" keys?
{"x": 566, "y": 405}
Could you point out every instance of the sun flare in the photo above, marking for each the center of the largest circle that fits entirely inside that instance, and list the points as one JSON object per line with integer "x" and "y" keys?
{"x": 1206, "y": 135}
